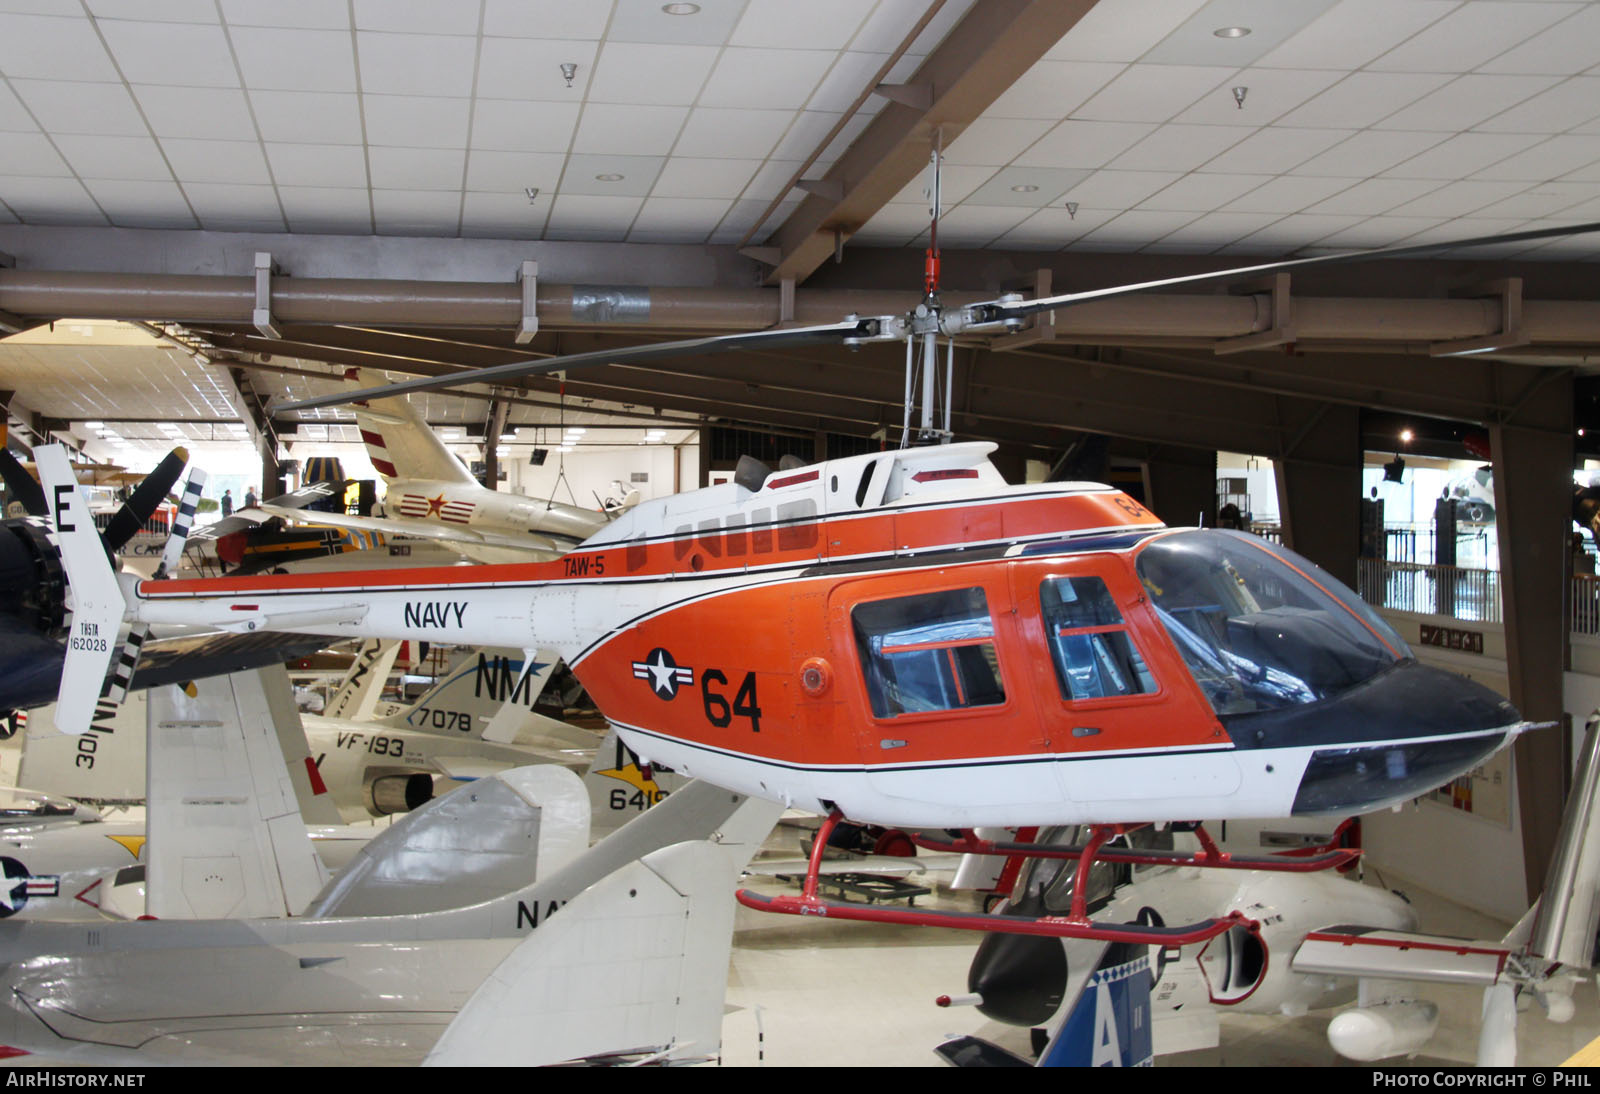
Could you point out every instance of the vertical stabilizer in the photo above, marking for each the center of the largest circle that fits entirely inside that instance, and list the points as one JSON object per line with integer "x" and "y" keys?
{"x": 362, "y": 687}
{"x": 97, "y": 599}
{"x": 403, "y": 447}
{"x": 1569, "y": 908}
{"x": 226, "y": 836}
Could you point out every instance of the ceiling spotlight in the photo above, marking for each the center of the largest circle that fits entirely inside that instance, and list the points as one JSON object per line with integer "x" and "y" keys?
{"x": 1231, "y": 32}
{"x": 1238, "y": 96}
{"x": 609, "y": 176}
{"x": 1025, "y": 188}
{"x": 1072, "y": 210}
{"x": 568, "y": 70}
{"x": 680, "y": 9}
{"x": 532, "y": 192}
{"x": 1406, "y": 435}
{"x": 1394, "y": 469}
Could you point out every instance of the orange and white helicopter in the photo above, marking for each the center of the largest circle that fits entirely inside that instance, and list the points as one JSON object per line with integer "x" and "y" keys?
{"x": 904, "y": 638}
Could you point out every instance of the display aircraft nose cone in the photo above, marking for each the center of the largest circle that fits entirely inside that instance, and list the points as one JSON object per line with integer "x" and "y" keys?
{"x": 1021, "y": 978}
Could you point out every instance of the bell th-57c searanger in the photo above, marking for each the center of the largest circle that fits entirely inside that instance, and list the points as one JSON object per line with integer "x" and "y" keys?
{"x": 902, "y": 637}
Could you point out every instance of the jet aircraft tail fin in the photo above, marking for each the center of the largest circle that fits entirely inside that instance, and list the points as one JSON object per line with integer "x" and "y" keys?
{"x": 402, "y": 446}
{"x": 622, "y": 786}
{"x": 98, "y": 601}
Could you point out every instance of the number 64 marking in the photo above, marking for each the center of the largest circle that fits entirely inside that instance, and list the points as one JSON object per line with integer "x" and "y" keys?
{"x": 718, "y": 712}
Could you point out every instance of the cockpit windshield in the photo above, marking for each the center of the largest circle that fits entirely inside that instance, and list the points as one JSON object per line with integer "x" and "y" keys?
{"x": 1260, "y": 627}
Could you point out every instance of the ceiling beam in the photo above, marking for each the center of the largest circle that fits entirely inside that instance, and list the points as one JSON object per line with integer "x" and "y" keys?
{"x": 993, "y": 45}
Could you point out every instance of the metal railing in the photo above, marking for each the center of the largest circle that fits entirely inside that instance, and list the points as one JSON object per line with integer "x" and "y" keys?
{"x": 1455, "y": 591}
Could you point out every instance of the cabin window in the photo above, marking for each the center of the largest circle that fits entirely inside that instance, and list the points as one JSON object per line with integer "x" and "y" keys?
{"x": 1094, "y": 655}
{"x": 929, "y": 652}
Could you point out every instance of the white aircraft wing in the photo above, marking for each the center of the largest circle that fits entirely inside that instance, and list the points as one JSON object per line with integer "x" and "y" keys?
{"x": 539, "y": 548}
{"x": 1397, "y": 955}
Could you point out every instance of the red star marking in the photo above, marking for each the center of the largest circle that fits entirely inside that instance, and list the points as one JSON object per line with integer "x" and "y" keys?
{"x": 435, "y": 505}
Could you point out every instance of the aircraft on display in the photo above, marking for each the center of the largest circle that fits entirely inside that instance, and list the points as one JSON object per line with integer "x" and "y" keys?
{"x": 904, "y": 638}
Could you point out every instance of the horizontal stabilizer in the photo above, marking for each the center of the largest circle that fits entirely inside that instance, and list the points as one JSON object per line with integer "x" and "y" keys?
{"x": 1397, "y": 955}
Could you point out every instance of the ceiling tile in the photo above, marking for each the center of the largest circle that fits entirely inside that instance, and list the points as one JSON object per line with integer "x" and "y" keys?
{"x": 1567, "y": 105}
{"x": 286, "y": 13}
{"x": 1215, "y": 230}
{"x": 168, "y": 11}
{"x": 610, "y": 129}
{"x": 1374, "y": 196}
{"x": 734, "y": 134}
{"x": 1084, "y": 144}
{"x": 1354, "y": 33}
{"x": 768, "y": 178}
{"x": 416, "y": 169}
{"x": 1107, "y": 34}
{"x": 1574, "y": 148}
{"x": 49, "y": 201}
{"x": 956, "y": 184}
{"x": 1288, "y": 194}
{"x": 406, "y": 121}
{"x": 221, "y": 201}
{"x": 1541, "y": 200}
{"x": 504, "y": 214}
{"x": 783, "y": 24}
{"x": 1368, "y": 153}
{"x": 1276, "y": 149}
{"x": 1202, "y": 193}
{"x": 1180, "y": 147}
{"x": 307, "y": 117}
{"x": 512, "y": 172}
{"x": 529, "y": 70}
{"x": 970, "y": 225}
{"x": 1152, "y": 93}
{"x": 1270, "y": 93}
{"x": 318, "y": 165}
{"x": 13, "y": 116}
{"x": 1470, "y": 35}
{"x": 1546, "y": 160}
{"x": 1132, "y": 230}
{"x": 1295, "y": 230}
{"x": 638, "y": 173}
{"x": 850, "y": 75}
{"x": 1381, "y": 231}
{"x": 135, "y": 158}
{"x": 1362, "y": 98}
{"x": 1565, "y": 48}
{"x": 644, "y": 21}
{"x": 280, "y": 59}
{"x": 218, "y": 114}
{"x": 33, "y": 154}
{"x": 1052, "y": 89}
{"x": 895, "y": 221}
{"x": 1463, "y": 103}
{"x": 793, "y": 143}
{"x": 129, "y": 202}
{"x": 1195, "y": 40}
{"x": 67, "y": 106}
{"x": 939, "y": 26}
{"x": 189, "y": 54}
{"x": 995, "y": 141}
{"x": 326, "y": 209}
{"x": 544, "y": 19}
{"x": 593, "y": 217}
{"x": 32, "y": 46}
{"x": 416, "y": 212}
{"x": 216, "y": 161}
{"x": 1024, "y": 187}
{"x": 1118, "y": 189}
{"x": 416, "y": 16}
{"x": 509, "y": 126}
{"x": 1458, "y": 199}
{"x": 693, "y": 217}
{"x": 682, "y": 177}
{"x": 765, "y": 79}
{"x": 414, "y": 64}
{"x": 1052, "y": 229}
{"x": 1462, "y": 155}
{"x": 633, "y": 72}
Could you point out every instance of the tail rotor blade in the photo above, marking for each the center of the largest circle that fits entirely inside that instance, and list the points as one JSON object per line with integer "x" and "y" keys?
{"x": 145, "y": 499}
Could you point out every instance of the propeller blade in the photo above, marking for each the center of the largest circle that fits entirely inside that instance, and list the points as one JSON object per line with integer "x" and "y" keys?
{"x": 145, "y": 499}
{"x": 22, "y": 485}
{"x": 996, "y": 311}
{"x": 765, "y": 339}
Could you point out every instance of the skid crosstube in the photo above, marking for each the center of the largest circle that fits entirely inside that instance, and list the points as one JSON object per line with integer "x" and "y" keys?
{"x": 1048, "y": 926}
{"x": 1209, "y": 857}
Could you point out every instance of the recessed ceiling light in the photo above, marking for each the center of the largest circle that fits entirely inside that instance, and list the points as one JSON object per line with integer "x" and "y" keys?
{"x": 1231, "y": 32}
{"x": 94, "y": 425}
{"x": 680, "y": 9}
{"x": 1025, "y": 188}
{"x": 608, "y": 177}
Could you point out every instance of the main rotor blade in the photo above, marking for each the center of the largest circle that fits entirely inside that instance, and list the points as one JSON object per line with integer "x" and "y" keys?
{"x": 145, "y": 499}
{"x": 765, "y": 339}
{"x": 995, "y": 311}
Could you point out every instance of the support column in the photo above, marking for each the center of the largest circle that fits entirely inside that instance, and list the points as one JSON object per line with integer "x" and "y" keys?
{"x": 493, "y": 427}
{"x": 258, "y": 425}
{"x": 1533, "y": 509}
{"x": 1180, "y": 486}
{"x": 1319, "y": 489}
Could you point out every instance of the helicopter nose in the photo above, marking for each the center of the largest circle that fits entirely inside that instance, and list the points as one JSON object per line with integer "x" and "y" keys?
{"x": 1403, "y": 733}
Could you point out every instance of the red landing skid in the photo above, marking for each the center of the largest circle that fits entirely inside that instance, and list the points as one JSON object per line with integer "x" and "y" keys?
{"x": 1077, "y": 923}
